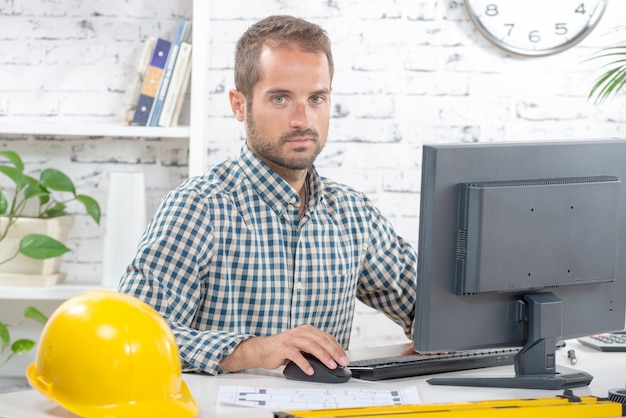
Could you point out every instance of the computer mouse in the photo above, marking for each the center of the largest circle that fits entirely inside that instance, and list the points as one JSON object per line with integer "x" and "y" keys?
{"x": 322, "y": 374}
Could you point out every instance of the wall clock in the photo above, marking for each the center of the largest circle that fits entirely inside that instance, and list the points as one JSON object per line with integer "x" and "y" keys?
{"x": 535, "y": 27}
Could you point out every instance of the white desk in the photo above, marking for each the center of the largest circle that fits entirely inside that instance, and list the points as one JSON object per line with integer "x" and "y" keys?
{"x": 608, "y": 370}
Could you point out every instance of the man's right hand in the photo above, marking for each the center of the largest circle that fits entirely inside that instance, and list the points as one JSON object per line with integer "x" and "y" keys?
{"x": 276, "y": 350}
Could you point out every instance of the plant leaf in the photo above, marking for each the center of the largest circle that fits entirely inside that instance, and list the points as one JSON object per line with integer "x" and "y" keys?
{"x": 22, "y": 346}
{"x": 14, "y": 158}
{"x": 4, "y": 203}
{"x": 5, "y": 337}
{"x": 35, "y": 314}
{"x": 56, "y": 180}
{"x": 41, "y": 247}
{"x": 611, "y": 81}
{"x": 34, "y": 190}
{"x": 91, "y": 206}
{"x": 14, "y": 174}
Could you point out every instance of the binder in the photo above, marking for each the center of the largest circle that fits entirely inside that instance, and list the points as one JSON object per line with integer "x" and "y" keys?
{"x": 152, "y": 79}
{"x": 178, "y": 87}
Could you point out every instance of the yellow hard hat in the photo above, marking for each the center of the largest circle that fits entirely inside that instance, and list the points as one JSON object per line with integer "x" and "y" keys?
{"x": 107, "y": 354}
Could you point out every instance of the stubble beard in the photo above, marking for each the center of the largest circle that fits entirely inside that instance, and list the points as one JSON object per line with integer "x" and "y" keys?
{"x": 270, "y": 151}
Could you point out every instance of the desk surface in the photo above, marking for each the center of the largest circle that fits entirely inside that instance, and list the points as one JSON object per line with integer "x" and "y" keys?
{"x": 608, "y": 370}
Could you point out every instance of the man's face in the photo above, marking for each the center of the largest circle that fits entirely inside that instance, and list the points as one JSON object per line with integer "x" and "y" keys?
{"x": 287, "y": 121}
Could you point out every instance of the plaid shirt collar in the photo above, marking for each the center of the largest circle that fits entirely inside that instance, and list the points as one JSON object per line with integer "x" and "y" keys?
{"x": 272, "y": 188}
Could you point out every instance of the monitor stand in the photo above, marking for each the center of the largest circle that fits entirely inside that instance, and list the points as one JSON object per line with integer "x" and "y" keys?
{"x": 535, "y": 363}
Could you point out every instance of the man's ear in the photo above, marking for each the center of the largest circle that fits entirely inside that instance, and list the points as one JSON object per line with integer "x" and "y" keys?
{"x": 237, "y": 104}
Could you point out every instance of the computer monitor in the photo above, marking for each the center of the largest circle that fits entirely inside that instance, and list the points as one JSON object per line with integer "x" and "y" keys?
{"x": 521, "y": 244}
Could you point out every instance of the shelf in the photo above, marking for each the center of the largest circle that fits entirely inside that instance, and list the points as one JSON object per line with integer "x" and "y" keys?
{"x": 56, "y": 292}
{"x": 68, "y": 128}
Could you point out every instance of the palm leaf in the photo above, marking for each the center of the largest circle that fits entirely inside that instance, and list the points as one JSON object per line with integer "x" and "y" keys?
{"x": 613, "y": 77}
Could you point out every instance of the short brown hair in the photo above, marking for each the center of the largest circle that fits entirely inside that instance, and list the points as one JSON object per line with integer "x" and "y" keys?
{"x": 282, "y": 29}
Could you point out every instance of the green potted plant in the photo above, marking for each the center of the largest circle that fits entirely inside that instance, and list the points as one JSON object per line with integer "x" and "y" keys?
{"x": 34, "y": 222}
{"x": 9, "y": 348}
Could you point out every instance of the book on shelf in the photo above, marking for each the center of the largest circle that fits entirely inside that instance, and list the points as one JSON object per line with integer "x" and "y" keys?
{"x": 151, "y": 81}
{"x": 132, "y": 94}
{"x": 178, "y": 87}
{"x": 182, "y": 33}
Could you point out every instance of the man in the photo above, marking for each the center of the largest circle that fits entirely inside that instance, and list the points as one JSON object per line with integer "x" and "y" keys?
{"x": 261, "y": 259}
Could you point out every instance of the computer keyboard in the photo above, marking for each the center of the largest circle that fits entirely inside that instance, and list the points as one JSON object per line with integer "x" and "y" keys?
{"x": 421, "y": 364}
{"x": 612, "y": 341}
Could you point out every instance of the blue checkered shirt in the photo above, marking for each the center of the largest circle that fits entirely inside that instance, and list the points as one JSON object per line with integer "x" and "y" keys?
{"x": 227, "y": 258}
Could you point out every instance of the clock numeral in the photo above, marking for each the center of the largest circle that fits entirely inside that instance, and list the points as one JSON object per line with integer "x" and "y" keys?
{"x": 534, "y": 36}
{"x": 560, "y": 28}
{"x": 581, "y": 9}
{"x": 492, "y": 10}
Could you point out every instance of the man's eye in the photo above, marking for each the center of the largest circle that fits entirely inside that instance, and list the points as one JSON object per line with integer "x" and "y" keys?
{"x": 279, "y": 99}
{"x": 317, "y": 99}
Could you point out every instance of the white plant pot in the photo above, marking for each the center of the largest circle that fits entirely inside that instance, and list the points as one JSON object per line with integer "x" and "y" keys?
{"x": 26, "y": 271}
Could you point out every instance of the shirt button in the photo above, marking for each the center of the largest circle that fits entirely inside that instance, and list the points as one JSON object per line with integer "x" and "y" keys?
{"x": 279, "y": 208}
{"x": 298, "y": 286}
{"x": 292, "y": 200}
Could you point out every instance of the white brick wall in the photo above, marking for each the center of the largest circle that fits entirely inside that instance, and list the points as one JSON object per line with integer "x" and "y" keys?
{"x": 407, "y": 73}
